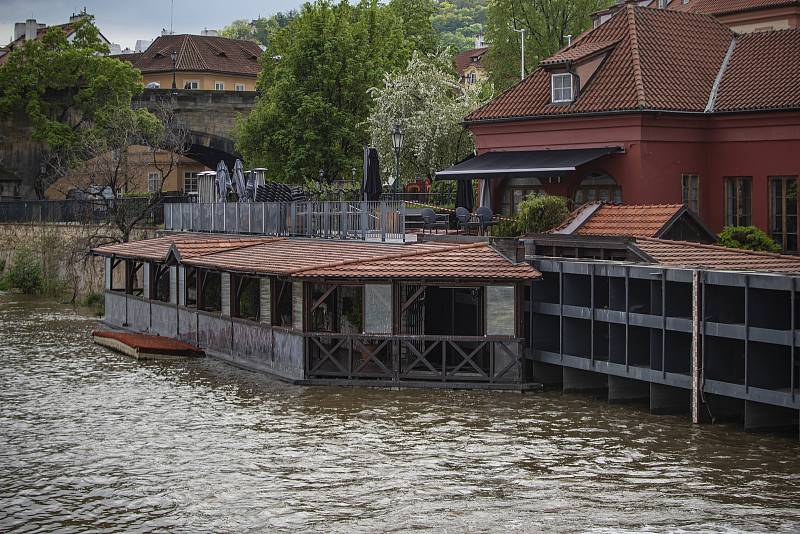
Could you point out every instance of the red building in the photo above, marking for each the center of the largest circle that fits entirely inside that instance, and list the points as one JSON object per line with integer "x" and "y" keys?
{"x": 687, "y": 110}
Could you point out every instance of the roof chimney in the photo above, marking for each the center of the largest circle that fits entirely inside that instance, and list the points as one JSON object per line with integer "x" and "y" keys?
{"x": 19, "y": 30}
{"x": 30, "y": 29}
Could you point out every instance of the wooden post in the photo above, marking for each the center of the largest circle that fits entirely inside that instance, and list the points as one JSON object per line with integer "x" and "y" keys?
{"x": 697, "y": 382}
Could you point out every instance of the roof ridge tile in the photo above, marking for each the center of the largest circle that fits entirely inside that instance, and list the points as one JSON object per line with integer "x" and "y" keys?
{"x": 635, "y": 59}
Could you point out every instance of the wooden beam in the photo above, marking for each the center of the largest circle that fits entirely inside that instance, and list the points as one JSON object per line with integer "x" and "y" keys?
{"x": 324, "y": 296}
{"x": 412, "y": 298}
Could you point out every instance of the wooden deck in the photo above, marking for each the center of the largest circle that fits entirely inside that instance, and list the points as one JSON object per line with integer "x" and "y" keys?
{"x": 145, "y": 346}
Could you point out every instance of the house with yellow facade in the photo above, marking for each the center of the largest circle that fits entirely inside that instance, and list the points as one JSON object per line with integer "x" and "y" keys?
{"x": 199, "y": 62}
{"x": 468, "y": 63}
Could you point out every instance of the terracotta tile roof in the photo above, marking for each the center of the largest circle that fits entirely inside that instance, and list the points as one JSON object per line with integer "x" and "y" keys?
{"x": 696, "y": 255}
{"x": 476, "y": 261}
{"x": 622, "y": 220}
{"x": 463, "y": 59}
{"x": 663, "y": 60}
{"x": 724, "y": 7}
{"x": 151, "y": 344}
{"x": 762, "y": 73}
{"x": 201, "y": 53}
{"x": 188, "y": 245}
{"x": 335, "y": 259}
{"x": 579, "y": 50}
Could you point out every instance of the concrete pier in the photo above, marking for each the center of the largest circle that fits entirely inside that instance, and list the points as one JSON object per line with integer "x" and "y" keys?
{"x": 668, "y": 400}
{"x": 765, "y": 418}
{"x": 578, "y": 380}
{"x": 622, "y": 390}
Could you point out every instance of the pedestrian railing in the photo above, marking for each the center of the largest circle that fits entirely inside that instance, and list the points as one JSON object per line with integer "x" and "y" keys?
{"x": 383, "y": 221}
{"x": 88, "y": 211}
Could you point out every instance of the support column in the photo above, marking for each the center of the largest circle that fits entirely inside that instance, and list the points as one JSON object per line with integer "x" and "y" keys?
{"x": 760, "y": 417}
{"x": 668, "y": 400}
{"x": 720, "y": 409}
{"x": 621, "y": 390}
{"x": 225, "y": 291}
{"x": 580, "y": 380}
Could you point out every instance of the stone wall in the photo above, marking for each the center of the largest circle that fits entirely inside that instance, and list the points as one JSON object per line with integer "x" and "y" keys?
{"x": 64, "y": 250}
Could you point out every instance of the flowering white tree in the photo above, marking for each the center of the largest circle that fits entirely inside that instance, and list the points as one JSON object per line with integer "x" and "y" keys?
{"x": 428, "y": 102}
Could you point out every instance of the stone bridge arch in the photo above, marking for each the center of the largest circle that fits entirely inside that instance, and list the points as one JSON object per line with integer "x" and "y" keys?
{"x": 209, "y": 118}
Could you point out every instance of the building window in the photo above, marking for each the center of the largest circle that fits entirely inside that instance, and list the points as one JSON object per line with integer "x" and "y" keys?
{"x": 561, "y": 85}
{"x": 737, "y": 200}
{"x": 662, "y": 3}
{"x": 472, "y": 77}
{"x": 153, "y": 182}
{"x": 219, "y": 86}
{"x": 690, "y": 191}
{"x": 191, "y": 84}
{"x": 190, "y": 182}
{"x": 239, "y": 87}
{"x": 282, "y": 302}
{"x": 598, "y": 187}
{"x": 783, "y": 211}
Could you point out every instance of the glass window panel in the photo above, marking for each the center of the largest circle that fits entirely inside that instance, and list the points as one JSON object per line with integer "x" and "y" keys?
{"x": 500, "y": 311}
{"x": 297, "y": 305}
{"x": 378, "y": 309}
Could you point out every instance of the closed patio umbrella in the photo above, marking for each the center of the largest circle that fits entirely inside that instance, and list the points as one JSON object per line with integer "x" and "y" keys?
{"x": 239, "y": 184}
{"x": 464, "y": 198}
{"x": 372, "y": 186}
{"x": 223, "y": 181}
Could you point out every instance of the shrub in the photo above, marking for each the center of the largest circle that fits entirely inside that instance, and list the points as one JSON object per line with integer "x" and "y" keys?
{"x": 539, "y": 213}
{"x": 748, "y": 238}
{"x": 505, "y": 228}
{"x": 96, "y": 301}
{"x": 25, "y": 273}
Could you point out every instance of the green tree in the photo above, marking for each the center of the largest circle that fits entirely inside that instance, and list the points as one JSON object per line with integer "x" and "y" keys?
{"x": 261, "y": 29}
{"x": 417, "y": 29}
{"x": 67, "y": 90}
{"x": 25, "y": 273}
{"x": 457, "y": 22}
{"x": 428, "y": 102}
{"x": 540, "y": 213}
{"x": 314, "y": 82}
{"x": 239, "y": 29}
{"x": 546, "y": 25}
{"x": 748, "y": 238}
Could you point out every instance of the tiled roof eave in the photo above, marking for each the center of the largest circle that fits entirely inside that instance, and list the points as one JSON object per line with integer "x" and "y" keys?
{"x": 211, "y": 71}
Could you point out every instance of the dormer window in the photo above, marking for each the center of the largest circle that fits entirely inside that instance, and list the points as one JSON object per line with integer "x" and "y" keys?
{"x": 561, "y": 88}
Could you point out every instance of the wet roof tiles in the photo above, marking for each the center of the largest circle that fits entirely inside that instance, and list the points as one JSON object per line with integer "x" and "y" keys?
{"x": 622, "y": 220}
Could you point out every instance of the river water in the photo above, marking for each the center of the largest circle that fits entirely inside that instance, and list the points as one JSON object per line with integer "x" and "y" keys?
{"x": 94, "y": 441}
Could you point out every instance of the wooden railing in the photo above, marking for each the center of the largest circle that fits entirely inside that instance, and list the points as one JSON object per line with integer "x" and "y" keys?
{"x": 487, "y": 359}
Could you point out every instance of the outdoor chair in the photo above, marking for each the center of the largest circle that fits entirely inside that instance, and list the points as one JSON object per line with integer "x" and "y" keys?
{"x": 464, "y": 220}
{"x": 484, "y": 218}
{"x": 431, "y": 221}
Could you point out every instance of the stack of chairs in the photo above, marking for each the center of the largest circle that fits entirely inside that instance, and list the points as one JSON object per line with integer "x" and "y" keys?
{"x": 278, "y": 192}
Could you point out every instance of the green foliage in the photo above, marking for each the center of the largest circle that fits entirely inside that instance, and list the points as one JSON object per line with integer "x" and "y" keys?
{"x": 428, "y": 103}
{"x": 96, "y": 301}
{"x": 259, "y": 30}
{"x": 25, "y": 273}
{"x": 415, "y": 17}
{"x": 546, "y": 26}
{"x": 457, "y": 22}
{"x": 68, "y": 90}
{"x": 333, "y": 191}
{"x": 314, "y": 100}
{"x": 540, "y": 213}
{"x": 748, "y": 238}
{"x": 505, "y": 228}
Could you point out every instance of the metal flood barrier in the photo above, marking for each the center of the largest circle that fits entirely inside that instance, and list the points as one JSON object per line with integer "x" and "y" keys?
{"x": 383, "y": 221}
{"x": 714, "y": 333}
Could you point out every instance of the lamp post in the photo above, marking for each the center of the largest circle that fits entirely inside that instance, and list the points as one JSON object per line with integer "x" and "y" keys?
{"x": 522, "y": 54}
{"x": 174, "y": 57}
{"x": 397, "y": 143}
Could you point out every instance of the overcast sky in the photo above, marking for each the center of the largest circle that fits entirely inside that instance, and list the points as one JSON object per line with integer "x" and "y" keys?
{"x": 126, "y": 21}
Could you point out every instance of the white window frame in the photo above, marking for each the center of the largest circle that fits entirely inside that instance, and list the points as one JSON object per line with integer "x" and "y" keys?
{"x": 219, "y": 86}
{"x": 193, "y": 84}
{"x": 153, "y": 181}
{"x": 553, "y": 88}
{"x": 190, "y": 175}
{"x": 238, "y": 87}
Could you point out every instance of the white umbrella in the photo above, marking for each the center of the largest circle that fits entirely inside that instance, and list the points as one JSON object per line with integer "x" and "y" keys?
{"x": 239, "y": 184}
{"x": 223, "y": 181}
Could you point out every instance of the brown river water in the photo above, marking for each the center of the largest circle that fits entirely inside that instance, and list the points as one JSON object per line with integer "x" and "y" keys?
{"x": 94, "y": 441}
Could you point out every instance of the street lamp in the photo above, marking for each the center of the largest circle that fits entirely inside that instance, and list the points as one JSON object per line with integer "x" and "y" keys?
{"x": 397, "y": 143}
{"x": 174, "y": 57}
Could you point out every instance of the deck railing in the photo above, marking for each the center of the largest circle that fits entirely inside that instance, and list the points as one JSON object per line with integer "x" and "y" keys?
{"x": 384, "y": 221}
{"x": 487, "y": 359}
{"x": 88, "y": 211}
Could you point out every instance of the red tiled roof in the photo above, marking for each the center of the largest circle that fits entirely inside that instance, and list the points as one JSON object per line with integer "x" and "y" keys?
{"x": 663, "y": 60}
{"x": 579, "y": 50}
{"x": 762, "y": 73}
{"x": 474, "y": 261}
{"x": 188, "y": 245}
{"x": 464, "y": 59}
{"x": 623, "y": 220}
{"x": 697, "y": 255}
{"x": 151, "y": 344}
{"x": 724, "y": 7}
{"x": 336, "y": 259}
{"x": 200, "y": 53}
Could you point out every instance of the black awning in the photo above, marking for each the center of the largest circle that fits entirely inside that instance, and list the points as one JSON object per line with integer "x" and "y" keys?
{"x": 527, "y": 163}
